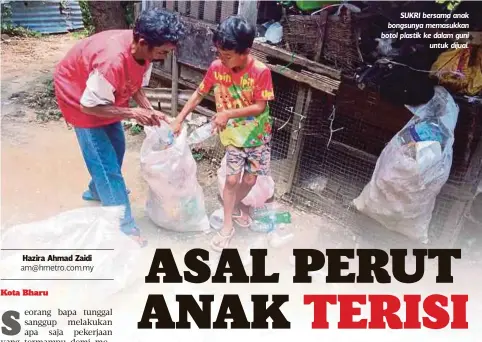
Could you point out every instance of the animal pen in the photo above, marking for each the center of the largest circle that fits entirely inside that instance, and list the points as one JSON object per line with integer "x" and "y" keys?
{"x": 327, "y": 133}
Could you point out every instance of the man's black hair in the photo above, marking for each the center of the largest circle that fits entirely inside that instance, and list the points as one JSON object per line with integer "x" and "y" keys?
{"x": 234, "y": 33}
{"x": 158, "y": 27}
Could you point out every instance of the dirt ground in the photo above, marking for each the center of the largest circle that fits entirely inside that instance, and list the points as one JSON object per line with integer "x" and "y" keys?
{"x": 43, "y": 172}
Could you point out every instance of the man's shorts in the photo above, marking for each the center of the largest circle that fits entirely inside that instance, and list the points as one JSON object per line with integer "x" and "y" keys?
{"x": 254, "y": 160}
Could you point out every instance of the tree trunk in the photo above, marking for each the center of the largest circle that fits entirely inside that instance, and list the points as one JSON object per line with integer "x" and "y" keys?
{"x": 107, "y": 15}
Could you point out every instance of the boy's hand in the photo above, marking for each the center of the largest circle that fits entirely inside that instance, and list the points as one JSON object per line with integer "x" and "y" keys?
{"x": 176, "y": 126}
{"x": 221, "y": 120}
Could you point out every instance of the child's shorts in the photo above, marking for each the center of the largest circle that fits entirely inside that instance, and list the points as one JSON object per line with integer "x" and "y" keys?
{"x": 254, "y": 160}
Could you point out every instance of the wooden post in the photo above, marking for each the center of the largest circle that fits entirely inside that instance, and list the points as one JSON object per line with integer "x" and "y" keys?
{"x": 182, "y": 6}
{"x": 287, "y": 176}
{"x": 170, "y": 5}
{"x": 210, "y": 11}
{"x": 175, "y": 84}
{"x": 227, "y": 9}
{"x": 249, "y": 10}
{"x": 302, "y": 107}
{"x": 137, "y": 10}
{"x": 195, "y": 9}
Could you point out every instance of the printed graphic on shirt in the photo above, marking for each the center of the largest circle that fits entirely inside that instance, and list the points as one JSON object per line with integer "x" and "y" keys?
{"x": 233, "y": 91}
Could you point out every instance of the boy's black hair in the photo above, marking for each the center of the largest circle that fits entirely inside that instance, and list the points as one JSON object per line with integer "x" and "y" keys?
{"x": 234, "y": 33}
{"x": 158, "y": 27}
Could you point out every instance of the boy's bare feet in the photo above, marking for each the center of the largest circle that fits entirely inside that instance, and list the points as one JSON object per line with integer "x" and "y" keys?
{"x": 222, "y": 239}
{"x": 242, "y": 216}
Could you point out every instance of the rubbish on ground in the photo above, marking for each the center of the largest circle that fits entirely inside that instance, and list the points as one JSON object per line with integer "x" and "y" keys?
{"x": 410, "y": 173}
{"x": 201, "y": 134}
{"x": 262, "y": 191}
{"x": 460, "y": 70}
{"x": 264, "y": 220}
{"x": 198, "y": 154}
{"x": 266, "y": 208}
{"x": 263, "y": 227}
{"x": 316, "y": 184}
{"x": 275, "y": 217}
{"x": 175, "y": 198}
{"x": 216, "y": 219}
{"x": 269, "y": 221}
{"x": 267, "y": 218}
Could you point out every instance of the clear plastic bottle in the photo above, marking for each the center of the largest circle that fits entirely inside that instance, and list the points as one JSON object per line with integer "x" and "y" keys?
{"x": 264, "y": 227}
{"x": 165, "y": 137}
{"x": 200, "y": 134}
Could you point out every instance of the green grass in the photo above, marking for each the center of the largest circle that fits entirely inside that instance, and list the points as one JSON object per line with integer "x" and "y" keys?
{"x": 81, "y": 34}
{"x": 19, "y": 31}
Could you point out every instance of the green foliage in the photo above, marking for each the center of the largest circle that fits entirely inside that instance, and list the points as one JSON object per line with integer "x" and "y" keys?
{"x": 87, "y": 19}
{"x": 89, "y": 28}
{"x": 81, "y": 34}
{"x": 6, "y": 13}
{"x": 129, "y": 9}
{"x": 44, "y": 103}
{"x": 18, "y": 31}
{"x": 449, "y": 4}
{"x": 49, "y": 115}
{"x": 12, "y": 30}
{"x": 136, "y": 129}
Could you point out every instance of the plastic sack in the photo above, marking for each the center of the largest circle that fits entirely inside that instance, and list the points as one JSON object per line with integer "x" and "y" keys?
{"x": 92, "y": 231}
{"x": 460, "y": 70}
{"x": 274, "y": 33}
{"x": 409, "y": 175}
{"x": 262, "y": 191}
{"x": 175, "y": 198}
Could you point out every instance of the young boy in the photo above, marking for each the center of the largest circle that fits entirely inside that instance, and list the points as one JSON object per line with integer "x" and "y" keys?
{"x": 242, "y": 89}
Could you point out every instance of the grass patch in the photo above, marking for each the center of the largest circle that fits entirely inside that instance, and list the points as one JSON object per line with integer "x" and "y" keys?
{"x": 19, "y": 31}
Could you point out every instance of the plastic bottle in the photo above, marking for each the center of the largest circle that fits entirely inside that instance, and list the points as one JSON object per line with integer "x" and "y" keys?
{"x": 165, "y": 138}
{"x": 216, "y": 219}
{"x": 275, "y": 217}
{"x": 426, "y": 130}
{"x": 200, "y": 134}
{"x": 261, "y": 227}
{"x": 267, "y": 208}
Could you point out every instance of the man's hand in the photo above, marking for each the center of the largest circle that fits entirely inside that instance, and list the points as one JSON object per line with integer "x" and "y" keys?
{"x": 221, "y": 120}
{"x": 148, "y": 117}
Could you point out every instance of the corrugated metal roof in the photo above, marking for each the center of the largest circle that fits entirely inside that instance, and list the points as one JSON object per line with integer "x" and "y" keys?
{"x": 47, "y": 16}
